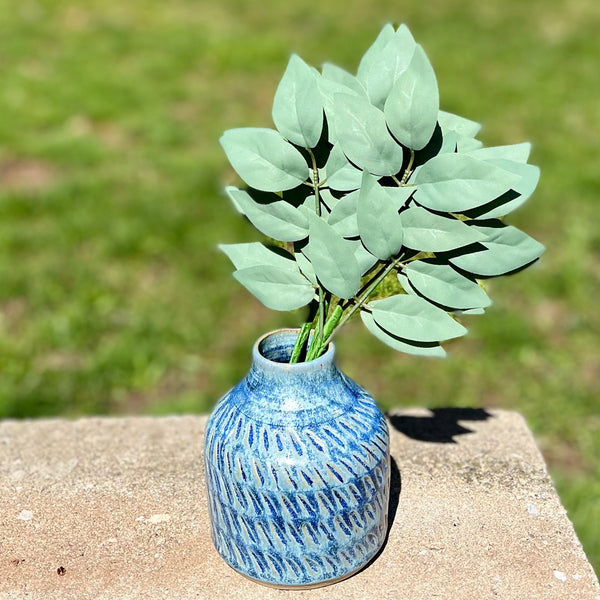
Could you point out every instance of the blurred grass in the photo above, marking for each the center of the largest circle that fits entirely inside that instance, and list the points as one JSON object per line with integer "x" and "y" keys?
{"x": 113, "y": 298}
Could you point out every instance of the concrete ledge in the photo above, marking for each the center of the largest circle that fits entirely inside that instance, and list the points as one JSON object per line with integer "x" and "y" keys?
{"x": 116, "y": 508}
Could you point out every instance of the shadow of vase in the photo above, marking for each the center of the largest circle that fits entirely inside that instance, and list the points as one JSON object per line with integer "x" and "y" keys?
{"x": 395, "y": 489}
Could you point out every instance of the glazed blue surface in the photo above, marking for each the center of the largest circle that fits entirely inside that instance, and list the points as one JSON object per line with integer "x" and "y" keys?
{"x": 297, "y": 468}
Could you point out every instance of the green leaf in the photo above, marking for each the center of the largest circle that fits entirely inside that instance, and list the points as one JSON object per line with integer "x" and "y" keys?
{"x": 460, "y": 125}
{"x": 364, "y": 258}
{"x": 277, "y": 219}
{"x": 278, "y": 289}
{"x": 529, "y": 175}
{"x": 373, "y": 53}
{"x": 329, "y": 87}
{"x": 255, "y": 254}
{"x": 455, "y": 182}
{"x": 272, "y": 277}
{"x": 514, "y": 152}
{"x": 506, "y": 249}
{"x": 441, "y": 284}
{"x": 338, "y": 75}
{"x": 333, "y": 259}
{"x": 471, "y": 311}
{"x": 466, "y": 144}
{"x": 462, "y": 130}
{"x": 384, "y": 62}
{"x": 263, "y": 159}
{"x": 400, "y": 344}
{"x": 306, "y": 267}
{"x": 364, "y": 137}
{"x": 297, "y": 107}
{"x": 449, "y": 143}
{"x": 413, "y": 318}
{"x": 428, "y": 232}
{"x": 411, "y": 109}
{"x": 379, "y": 224}
{"x": 340, "y": 174}
{"x": 505, "y": 204}
{"x": 343, "y": 216}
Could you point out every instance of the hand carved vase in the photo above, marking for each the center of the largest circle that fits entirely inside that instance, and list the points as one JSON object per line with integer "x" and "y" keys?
{"x": 297, "y": 469}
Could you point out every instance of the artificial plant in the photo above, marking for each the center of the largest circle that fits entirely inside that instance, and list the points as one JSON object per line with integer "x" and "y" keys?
{"x": 365, "y": 180}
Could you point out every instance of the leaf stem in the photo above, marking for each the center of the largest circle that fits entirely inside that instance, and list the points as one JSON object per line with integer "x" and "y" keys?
{"x": 322, "y": 300}
{"x": 331, "y": 324}
{"x": 370, "y": 281}
{"x": 315, "y": 347}
{"x": 408, "y": 170}
{"x": 325, "y": 324}
{"x": 315, "y": 184}
{"x": 300, "y": 341}
{"x": 370, "y": 289}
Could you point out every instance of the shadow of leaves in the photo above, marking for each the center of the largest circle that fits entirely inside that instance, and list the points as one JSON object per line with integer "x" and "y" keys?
{"x": 441, "y": 426}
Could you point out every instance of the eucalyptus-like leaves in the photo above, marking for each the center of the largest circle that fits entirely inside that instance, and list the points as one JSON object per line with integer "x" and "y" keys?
{"x": 364, "y": 181}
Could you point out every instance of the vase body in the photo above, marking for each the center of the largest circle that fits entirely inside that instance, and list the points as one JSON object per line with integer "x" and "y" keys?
{"x": 297, "y": 469}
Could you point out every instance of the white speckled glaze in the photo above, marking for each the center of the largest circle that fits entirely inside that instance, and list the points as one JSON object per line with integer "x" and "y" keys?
{"x": 297, "y": 468}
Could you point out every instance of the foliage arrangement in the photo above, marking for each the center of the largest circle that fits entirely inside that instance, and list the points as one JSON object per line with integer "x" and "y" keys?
{"x": 380, "y": 202}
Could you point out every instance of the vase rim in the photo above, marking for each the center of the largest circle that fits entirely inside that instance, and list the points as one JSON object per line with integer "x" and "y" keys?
{"x": 260, "y": 359}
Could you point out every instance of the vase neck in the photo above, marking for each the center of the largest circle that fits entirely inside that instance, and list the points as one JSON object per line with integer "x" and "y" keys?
{"x": 308, "y": 391}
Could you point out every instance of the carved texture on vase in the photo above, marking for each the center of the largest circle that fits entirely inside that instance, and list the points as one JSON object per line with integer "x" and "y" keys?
{"x": 294, "y": 505}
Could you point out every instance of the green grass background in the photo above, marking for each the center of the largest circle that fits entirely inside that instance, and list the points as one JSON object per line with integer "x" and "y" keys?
{"x": 113, "y": 298}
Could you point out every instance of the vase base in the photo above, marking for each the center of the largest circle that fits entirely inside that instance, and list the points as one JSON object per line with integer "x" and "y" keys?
{"x": 307, "y": 586}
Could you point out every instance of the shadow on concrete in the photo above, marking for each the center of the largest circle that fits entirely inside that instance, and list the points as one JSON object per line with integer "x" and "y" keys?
{"x": 441, "y": 426}
{"x": 395, "y": 489}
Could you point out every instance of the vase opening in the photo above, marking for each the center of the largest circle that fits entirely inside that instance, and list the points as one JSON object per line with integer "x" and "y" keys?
{"x": 277, "y": 346}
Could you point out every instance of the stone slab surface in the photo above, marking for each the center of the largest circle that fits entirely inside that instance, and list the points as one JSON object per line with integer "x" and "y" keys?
{"x": 113, "y": 508}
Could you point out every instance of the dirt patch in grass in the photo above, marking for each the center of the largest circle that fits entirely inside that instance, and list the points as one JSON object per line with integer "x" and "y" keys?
{"x": 24, "y": 175}
{"x": 12, "y": 315}
{"x": 561, "y": 455}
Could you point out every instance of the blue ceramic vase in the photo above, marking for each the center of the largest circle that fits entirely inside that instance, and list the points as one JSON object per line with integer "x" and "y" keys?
{"x": 297, "y": 469}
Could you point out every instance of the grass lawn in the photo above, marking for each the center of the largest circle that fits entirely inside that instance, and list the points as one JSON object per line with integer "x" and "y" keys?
{"x": 113, "y": 297}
